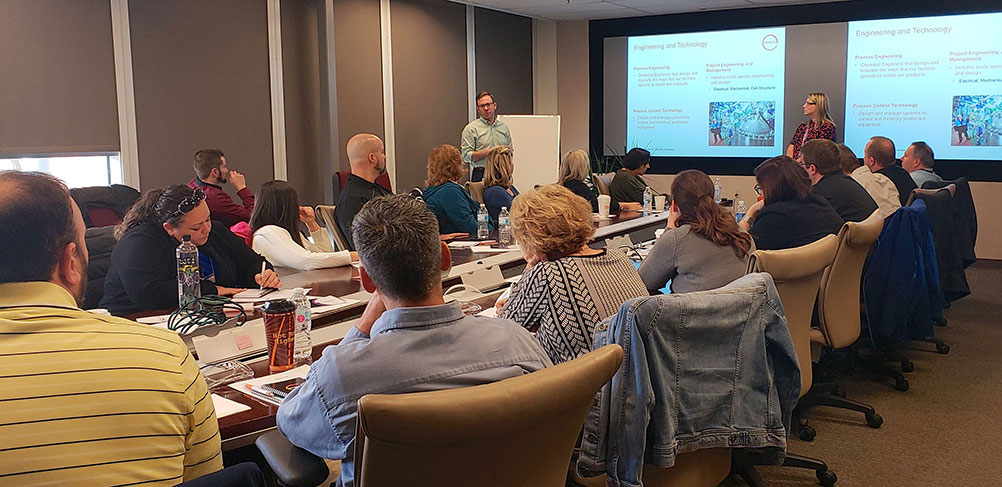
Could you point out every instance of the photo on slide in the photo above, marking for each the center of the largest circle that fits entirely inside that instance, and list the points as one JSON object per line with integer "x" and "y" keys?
{"x": 977, "y": 120}
{"x": 742, "y": 123}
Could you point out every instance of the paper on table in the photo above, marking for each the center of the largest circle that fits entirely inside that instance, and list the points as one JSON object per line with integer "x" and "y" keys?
{"x": 254, "y": 295}
{"x": 241, "y": 386}
{"x": 329, "y": 304}
{"x": 490, "y": 249}
{"x": 226, "y": 407}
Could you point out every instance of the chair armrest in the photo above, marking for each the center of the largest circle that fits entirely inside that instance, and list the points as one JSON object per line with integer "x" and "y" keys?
{"x": 292, "y": 465}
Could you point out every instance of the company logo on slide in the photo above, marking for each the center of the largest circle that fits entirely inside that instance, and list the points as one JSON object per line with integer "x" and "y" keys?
{"x": 770, "y": 42}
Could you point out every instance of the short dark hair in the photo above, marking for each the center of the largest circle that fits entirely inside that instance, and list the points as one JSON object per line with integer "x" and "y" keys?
{"x": 922, "y": 151}
{"x": 848, "y": 159}
{"x": 635, "y": 158}
{"x": 483, "y": 94}
{"x": 782, "y": 179}
{"x": 397, "y": 241}
{"x": 206, "y": 160}
{"x": 823, "y": 154}
{"x": 277, "y": 203}
{"x": 880, "y": 149}
{"x": 36, "y": 215}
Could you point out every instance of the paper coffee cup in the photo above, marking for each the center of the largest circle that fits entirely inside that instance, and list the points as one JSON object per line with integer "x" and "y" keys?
{"x": 604, "y": 201}
{"x": 659, "y": 202}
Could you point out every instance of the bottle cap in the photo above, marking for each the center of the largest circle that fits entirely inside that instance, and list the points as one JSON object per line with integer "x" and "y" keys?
{"x": 186, "y": 238}
{"x": 278, "y": 306}
{"x": 298, "y": 290}
{"x": 741, "y": 202}
{"x": 504, "y": 208}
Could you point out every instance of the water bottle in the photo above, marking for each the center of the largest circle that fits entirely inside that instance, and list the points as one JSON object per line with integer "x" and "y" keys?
{"x": 303, "y": 351}
{"x": 648, "y": 199}
{"x": 504, "y": 227}
{"x": 482, "y": 230}
{"x": 717, "y": 191}
{"x": 188, "y": 280}
{"x": 741, "y": 210}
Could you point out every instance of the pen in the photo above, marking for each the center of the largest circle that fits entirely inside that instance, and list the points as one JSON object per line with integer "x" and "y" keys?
{"x": 268, "y": 394}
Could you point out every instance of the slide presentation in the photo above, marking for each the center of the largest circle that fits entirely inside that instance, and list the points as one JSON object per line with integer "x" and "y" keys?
{"x": 935, "y": 79}
{"x": 709, "y": 94}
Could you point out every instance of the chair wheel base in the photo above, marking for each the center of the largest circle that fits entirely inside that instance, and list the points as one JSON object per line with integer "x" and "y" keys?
{"x": 907, "y": 366}
{"x": 807, "y": 433}
{"x": 874, "y": 420}
{"x": 901, "y": 384}
{"x": 827, "y": 478}
{"x": 943, "y": 348}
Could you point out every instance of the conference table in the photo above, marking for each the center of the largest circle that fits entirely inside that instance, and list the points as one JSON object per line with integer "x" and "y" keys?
{"x": 241, "y": 429}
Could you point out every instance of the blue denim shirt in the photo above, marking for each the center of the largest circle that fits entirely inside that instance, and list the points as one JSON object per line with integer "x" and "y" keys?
{"x": 411, "y": 350}
{"x": 701, "y": 370}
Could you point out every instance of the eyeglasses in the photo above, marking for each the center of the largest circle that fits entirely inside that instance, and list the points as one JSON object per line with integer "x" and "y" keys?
{"x": 485, "y": 105}
{"x": 758, "y": 189}
{"x": 188, "y": 204}
{"x": 811, "y": 103}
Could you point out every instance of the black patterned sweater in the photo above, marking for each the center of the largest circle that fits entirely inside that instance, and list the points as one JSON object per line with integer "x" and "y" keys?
{"x": 562, "y": 301}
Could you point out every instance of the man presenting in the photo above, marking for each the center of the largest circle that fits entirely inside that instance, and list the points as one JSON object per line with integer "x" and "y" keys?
{"x": 918, "y": 161}
{"x": 824, "y": 166}
{"x": 483, "y": 134}
{"x": 211, "y": 174}
{"x": 368, "y": 161}
{"x": 86, "y": 399}
{"x": 878, "y": 155}
{"x": 407, "y": 340}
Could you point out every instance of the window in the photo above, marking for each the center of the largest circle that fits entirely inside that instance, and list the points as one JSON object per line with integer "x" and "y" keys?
{"x": 76, "y": 171}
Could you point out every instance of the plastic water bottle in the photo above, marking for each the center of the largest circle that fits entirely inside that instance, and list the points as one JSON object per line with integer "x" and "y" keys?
{"x": 717, "y": 191}
{"x": 188, "y": 279}
{"x": 741, "y": 210}
{"x": 648, "y": 200}
{"x": 303, "y": 352}
{"x": 482, "y": 230}
{"x": 504, "y": 227}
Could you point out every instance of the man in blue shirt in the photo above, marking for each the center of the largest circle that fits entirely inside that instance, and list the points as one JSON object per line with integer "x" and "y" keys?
{"x": 918, "y": 161}
{"x": 407, "y": 340}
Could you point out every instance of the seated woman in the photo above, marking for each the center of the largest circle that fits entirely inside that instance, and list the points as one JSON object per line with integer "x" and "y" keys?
{"x": 789, "y": 215}
{"x": 143, "y": 272}
{"x": 498, "y": 187}
{"x": 567, "y": 287}
{"x": 275, "y": 223}
{"x": 452, "y": 205}
{"x": 703, "y": 247}
{"x": 574, "y": 170}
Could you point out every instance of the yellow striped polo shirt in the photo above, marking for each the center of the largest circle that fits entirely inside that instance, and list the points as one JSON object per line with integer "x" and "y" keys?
{"x": 97, "y": 400}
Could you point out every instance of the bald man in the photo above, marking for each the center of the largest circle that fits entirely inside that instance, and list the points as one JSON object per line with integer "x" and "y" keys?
{"x": 368, "y": 161}
{"x": 878, "y": 155}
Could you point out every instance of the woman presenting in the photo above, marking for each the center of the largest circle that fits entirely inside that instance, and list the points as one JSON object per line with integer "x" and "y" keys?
{"x": 820, "y": 125}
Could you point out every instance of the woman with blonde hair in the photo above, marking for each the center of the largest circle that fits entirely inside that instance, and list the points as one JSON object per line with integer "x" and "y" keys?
{"x": 498, "y": 188}
{"x": 820, "y": 125}
{"x": 452, "y": 205}
{"x": 568, "y": 287}
{"x": 574, "y": 171}
{"x": 703, "y": 247}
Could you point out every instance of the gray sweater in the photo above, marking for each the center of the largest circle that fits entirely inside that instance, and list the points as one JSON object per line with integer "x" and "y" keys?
{"x": 691, "y": 262}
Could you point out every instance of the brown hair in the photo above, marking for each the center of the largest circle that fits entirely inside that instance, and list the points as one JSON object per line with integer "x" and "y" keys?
{"x": 848, "y": 159}
{"x": 880, "y": 149}
{"x": 821, "y": 102}
{"x": 206, "y": 160}
{"x": 499, "y": 168}
{"x": 782, "y": 179}
{"x": 157, "y": 206}
{"x": 552, "y": 220}
{"x": 277, "y": 203}
{"x": 444, "y": 164}
{"x": 574, "y": 166}
{"x": 822, "y": 154}
{"x": 692, "y": 192}
{"x": 483, "y": 94}
{"x": 36, "y": 215}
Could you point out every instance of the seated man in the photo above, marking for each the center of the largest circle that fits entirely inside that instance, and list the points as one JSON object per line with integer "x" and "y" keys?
{"x": 407, "y": 340}
{"x": 824, "y": 166}
{"x": 211, "y": 174}
{"x": 368, "y": 162}
{"x": 86, "y": 399}
{"x": 878, "y": 155}
{"x": 918, "y": 161}
{"x": 878, "y": 186}
{"x": 627, "y": 185}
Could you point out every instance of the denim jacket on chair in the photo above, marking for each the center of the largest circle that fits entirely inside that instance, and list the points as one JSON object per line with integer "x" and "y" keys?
{"x": 701, "y": 370}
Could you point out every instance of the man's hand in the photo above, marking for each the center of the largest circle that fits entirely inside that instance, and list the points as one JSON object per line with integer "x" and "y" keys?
{"x": 307, "y": 216}
{"x": 238, "y": 180}
{"x": 372, "y": 312}
{"x": 227, "y": 291}
{"x": 268, "y": 278}
{"x": 630, "y": 205}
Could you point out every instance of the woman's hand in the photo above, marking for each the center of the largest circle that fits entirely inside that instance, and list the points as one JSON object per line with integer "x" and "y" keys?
{"x": 354, "y": 255}
{"x": 753, "y": 210}
{"x": 228, "y": 291}
{"x": 533, "y": 258}
{"x": 307, "y": 216}
{"x": 268, "y": 278}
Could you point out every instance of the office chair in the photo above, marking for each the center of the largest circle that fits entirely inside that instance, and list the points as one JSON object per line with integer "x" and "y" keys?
{"x": 327, "y": 215}
{"x": 602, "y": 182}
{"x": 476, "y": 191}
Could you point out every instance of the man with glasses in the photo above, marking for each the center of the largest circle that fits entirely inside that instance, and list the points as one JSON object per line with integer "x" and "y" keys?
{"x": 483, "y": 134}
{"x": 823, "y": 164}
{"x": 211, "y": 173}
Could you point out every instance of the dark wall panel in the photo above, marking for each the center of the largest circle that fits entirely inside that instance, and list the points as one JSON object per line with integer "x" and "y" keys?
{"x": 504, "y": 59}
{"x": 201, "y": 80}
{"x": 301, "y": 70}
{"x": 429, "y": 82}
{"x": 57, "y": 77}
{"x": 359, "y": 69}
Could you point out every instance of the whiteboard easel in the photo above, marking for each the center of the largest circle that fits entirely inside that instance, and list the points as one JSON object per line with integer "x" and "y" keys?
{"x": 536, "y": 142}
